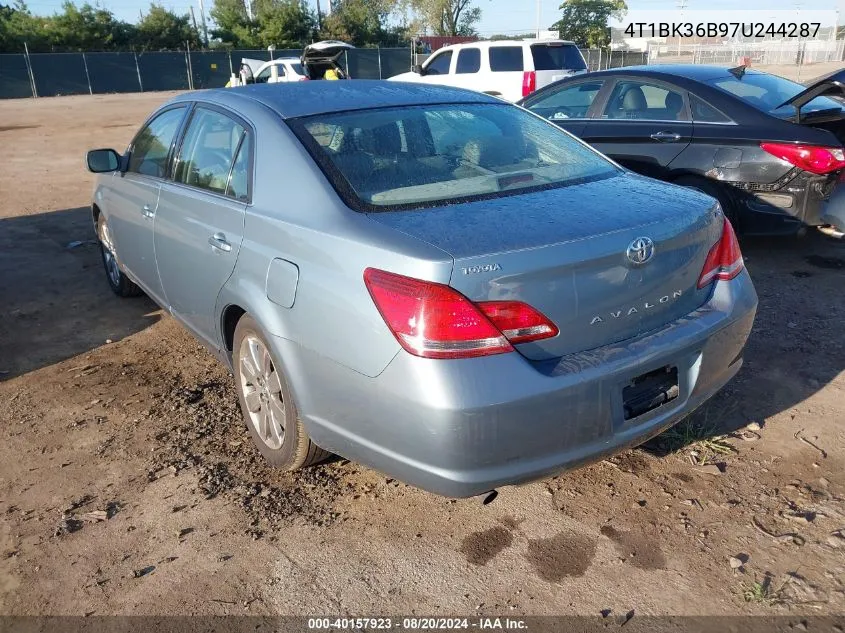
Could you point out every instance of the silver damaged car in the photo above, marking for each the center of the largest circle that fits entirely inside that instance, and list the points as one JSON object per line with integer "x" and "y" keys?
{"x": 424, "y": 279}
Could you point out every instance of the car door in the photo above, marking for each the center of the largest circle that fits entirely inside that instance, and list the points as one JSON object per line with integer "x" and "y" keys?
{"x": 643, "y": 125}
{"x": 200, "y": 217}
{"x": 567, "y": 105}
{"x": 467, "y": 69}
{"x": 133, "y": 198}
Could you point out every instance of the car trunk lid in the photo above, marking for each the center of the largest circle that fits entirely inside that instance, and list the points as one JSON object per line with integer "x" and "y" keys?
{"x": 564, "y": 252}
{"x": 554, "y": 61}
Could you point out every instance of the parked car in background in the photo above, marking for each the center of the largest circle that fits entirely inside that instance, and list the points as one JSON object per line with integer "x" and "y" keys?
{"x": 281, "y": 70}
{"x": 320, "y": 57}
{"x": 768, "y": 149}
{"x": 437, "y": 284}
{"x": 510, "y": 69}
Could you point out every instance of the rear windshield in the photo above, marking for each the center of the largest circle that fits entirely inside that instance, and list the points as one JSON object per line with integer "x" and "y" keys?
{"x": 768, "y": 92}
{"x": 415, "y": 157}
{"x": 557, "y": 57}
{"x": 297, "y": 68}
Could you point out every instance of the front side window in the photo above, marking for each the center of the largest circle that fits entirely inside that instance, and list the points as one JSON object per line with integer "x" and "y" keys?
{"x": 264, "y": 76}
{"x": 469, "y": 61}
{"x": 151, "y": 147}
{"x": 439, "y": 64}
{"x": 208, "y": 151}
{"x": 643, "y": 101}
{"x": 570, "y": 102}
{"x": 416, "y": 157}
{"x": 506, "y": 59}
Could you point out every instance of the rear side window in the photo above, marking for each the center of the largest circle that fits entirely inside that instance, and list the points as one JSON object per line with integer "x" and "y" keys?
{"x": 570, "y": 102}
{"x": 439, "y": 64}
{"x": 557, "y": 57}
{"x": 704, "y": 112}
{"x": 152, "y": 145}
{"x": 469, "y": 61}
{"x": 208, "y": 151}
{"x": 506, "y": 59}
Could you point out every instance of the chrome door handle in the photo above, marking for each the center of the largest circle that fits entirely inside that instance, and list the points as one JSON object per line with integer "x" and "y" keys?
{"x": 218, "y": 242}
{"x": 666, "y": 137}
{"x": 147, "y": 211}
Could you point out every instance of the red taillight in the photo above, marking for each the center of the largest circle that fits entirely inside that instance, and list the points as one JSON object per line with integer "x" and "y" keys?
{"x": 529, "y": 82}
{"x": 519, "y": 322}
{"x": 724, "y": 261}
{"x": 812, "y": 158}
{"x": 432, "y": 320}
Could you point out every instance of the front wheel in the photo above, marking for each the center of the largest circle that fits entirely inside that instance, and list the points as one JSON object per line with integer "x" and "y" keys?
{"x": 267, "y": 404}
{"x": 120, "y": 284}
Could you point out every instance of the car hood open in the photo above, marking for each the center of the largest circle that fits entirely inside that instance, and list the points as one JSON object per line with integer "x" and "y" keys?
{"x": 327, "y": 50}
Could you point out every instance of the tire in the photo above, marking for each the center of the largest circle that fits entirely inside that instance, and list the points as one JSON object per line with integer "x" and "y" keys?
{"x": 120, "y": 284}
{"x": 266, "y": 402}
{"x": 714, "y": 190}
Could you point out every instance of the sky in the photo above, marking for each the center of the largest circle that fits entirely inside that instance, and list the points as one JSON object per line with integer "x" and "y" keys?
{"x": 498, "y": 16}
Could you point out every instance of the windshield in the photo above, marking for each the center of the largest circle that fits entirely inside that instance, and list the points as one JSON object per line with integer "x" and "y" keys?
{"x": 767, "y": 92}
{"x": 557, "y": 57}
{"x": 297, "y": 68}
{"x": 412, "y": 157}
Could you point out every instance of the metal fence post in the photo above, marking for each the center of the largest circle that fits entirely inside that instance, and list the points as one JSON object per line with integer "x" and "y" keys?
{"x": 87, "y": 76}
{"x": 29, "y": 71}
{"x": 138, "y": 69}
{"x": 379, "y": 62}
{"x": 188, "y": 65}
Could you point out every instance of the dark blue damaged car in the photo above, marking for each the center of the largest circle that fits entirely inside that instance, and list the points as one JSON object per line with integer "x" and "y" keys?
{"x": 427, "y": 280}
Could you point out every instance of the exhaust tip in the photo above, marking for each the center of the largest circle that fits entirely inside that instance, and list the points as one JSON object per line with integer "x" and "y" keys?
{"x": 489, "y": 498}
{"x": 832, "y": 231}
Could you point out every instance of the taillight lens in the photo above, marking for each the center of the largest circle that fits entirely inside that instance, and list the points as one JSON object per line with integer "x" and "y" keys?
{"x": 724, "y": 261}
{"x": 812, "y": 158}
{"x": 432, "y": 320}
{"x": 519, "y": 322}
{"x": 529, "y": 82}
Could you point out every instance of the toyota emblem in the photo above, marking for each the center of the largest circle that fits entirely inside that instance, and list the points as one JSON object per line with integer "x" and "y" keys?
{"x": 640, "y": 250}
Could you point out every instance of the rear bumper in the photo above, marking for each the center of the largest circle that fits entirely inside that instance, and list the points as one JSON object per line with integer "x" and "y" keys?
{"x": 833, "y": 209}
{"x": 463, "y": 427}
{"x": 800, "y": 201}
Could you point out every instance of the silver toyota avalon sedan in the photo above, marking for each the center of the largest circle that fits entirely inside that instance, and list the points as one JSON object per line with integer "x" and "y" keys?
{"x": 427, "y": 280}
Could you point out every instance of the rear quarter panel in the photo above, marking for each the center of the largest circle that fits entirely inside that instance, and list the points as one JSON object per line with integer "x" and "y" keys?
{"x": 296, "y": 216}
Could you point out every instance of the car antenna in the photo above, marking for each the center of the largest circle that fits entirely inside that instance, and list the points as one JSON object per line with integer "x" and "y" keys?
{"x": 738, "y": 72}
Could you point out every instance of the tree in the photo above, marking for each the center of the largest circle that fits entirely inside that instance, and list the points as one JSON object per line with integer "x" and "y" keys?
{"x": 586, "y": 21}
{"x": 448, "y": 17}
{"x": 233, "y": 26}
{"x": 360, "y": 22}
{"x": 161, "y": 29}
{"x": 18, "y": 25}
{"x": 87, "y": 28}
{"x": 285, "y": 23}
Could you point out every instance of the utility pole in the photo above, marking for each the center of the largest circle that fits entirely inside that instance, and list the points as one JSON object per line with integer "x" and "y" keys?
{"x": 682, "y": 4}
{"x": 194, "y": 18}
{"x": 319, "y": 17}
{"x": 248, "y": 4}
{"x": 539, "y": 5}
{"x": 204, "y": 23}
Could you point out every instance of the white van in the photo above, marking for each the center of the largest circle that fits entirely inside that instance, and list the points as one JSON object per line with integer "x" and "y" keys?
{"x": 511, "y": 69}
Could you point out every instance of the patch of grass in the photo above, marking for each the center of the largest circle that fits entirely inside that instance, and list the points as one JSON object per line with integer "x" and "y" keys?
{"x": 699, "y": 436}
{"x": 761, "y": 592}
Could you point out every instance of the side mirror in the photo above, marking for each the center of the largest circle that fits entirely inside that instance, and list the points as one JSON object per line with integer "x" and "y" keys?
{"x": 101, "y": 161}
{"x": 417, "y": 68}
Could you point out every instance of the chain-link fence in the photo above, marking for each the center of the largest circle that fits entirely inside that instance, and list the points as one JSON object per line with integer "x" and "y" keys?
{"x": 54, "y": 74}
{"x": 603, "y": 58}
{"x": 765, "y": 53}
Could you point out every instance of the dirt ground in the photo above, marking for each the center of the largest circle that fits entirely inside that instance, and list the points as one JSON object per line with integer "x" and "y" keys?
{"x": 128, "y": 483}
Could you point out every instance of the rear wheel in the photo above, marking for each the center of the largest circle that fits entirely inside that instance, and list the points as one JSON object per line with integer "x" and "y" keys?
{"x": 713, "y": 190}
{"x": 267, "y": 404}
{"x": 120, "y": 284}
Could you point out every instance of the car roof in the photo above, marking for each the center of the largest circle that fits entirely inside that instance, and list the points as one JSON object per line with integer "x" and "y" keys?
{"x": 492, "y": 44}
{"x": 305, "y": 98}
{"x": 696, "y": 72}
